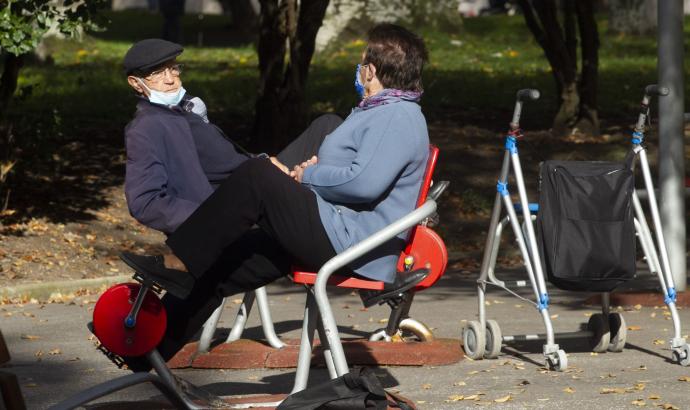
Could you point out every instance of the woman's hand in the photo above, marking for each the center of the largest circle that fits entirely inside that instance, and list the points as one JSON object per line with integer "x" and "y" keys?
{"x": 298, "y": 171}
{"x": 281, "y": 166}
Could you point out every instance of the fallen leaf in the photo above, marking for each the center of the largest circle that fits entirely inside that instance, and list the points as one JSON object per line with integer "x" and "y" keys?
{"x": 634, "y": 328}
{"x": 684, "y": 379}
{"x": 524, "y": 383}
{"x": 658, "y": 342}
{"x": 30, "y": 337}
{"x": 668, "y": 406}
{"x": 503, "y": 399}
{"x": 426, "y": 386}
{"x": 654, "y": 397}
{"x": 612, "y": 390}
{"x": 472, "y": 397}
{"x": 637, "y": 307}
{"x": 554, "y": 316}
{"x": 456, "y": 397}
{"x": 55, "y": 352}
{"x": 569, "y": 390}
{"x": 639, "y": 403}
{"x": 460, "y": 383}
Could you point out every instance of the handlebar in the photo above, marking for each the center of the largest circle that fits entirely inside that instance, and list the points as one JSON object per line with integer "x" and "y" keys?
{"x": 655, "y": 89}
{"x": 437, "y": 189}
{"x": 528, "y": 94}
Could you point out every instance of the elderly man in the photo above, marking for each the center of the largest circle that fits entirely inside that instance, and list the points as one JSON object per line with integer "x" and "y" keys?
{"x": 176, "y": 158}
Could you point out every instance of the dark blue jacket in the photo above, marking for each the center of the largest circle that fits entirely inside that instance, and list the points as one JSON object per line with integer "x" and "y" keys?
{"x": 165, "y": 180}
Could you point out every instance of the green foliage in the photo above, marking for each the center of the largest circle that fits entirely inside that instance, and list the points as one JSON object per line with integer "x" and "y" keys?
{"x": 24, "y": 22}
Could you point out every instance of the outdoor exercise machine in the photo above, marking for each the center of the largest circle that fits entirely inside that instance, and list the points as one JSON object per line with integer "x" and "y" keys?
{"x": 130, "y": 320}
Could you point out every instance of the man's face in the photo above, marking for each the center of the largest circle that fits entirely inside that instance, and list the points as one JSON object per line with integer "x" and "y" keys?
{"x": 164, "y": 78}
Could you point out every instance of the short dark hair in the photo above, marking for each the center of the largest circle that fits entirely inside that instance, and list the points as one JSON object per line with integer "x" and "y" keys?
{"x": 398, "y": 55}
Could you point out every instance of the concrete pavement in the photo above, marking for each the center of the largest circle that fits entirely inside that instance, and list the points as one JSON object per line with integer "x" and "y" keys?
{"x": 53, "y": 354}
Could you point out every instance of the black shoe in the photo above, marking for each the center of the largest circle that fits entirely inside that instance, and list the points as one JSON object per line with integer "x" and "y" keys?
{"x": 404, "y": 281}
{"x": 179, "y": 283}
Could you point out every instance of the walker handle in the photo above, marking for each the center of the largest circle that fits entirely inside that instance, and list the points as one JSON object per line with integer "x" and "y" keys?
{"x": 528, "y": 94}
{"x": 655, "y": 89}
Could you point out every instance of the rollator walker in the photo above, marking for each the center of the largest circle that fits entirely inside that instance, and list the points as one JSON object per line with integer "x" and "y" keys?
{"x": 606, "y": 331}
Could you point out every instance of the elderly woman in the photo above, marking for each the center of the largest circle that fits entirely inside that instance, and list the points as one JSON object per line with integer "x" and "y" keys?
{"x": 367, "y": 174}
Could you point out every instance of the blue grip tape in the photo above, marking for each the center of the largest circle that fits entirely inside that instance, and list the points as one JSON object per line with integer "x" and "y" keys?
{"x": 502, "y": 188}
{"x": 511, "y": 144}
{"x": 670, "y": 296}
{"x": 637, "y": 137}
{"x": 543, "y": 302}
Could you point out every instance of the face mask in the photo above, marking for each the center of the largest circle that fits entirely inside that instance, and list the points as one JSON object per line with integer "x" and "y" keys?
{"x": 159, "y": 97}
{"x": 359, "y": 87}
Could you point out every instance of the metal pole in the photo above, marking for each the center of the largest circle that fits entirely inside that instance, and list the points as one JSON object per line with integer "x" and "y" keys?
{"x": 671, "y": 151}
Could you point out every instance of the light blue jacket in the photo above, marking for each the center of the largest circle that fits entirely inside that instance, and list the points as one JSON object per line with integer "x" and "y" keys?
{"x": 368, "y": 175}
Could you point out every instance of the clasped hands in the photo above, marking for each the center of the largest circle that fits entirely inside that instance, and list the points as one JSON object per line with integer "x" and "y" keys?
{"x": 296, "y": 172}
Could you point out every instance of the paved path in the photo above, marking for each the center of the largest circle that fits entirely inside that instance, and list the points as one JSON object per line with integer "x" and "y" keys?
{"x": 54, "y": 356}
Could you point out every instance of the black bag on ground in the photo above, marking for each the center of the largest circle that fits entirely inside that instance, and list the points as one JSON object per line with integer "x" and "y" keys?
{"x": 585, "y": 224}
{"x": 359, "y": 389}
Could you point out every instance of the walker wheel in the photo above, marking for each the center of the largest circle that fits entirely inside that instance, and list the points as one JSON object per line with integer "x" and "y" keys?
{"x": 599, "y": 326}
{"x": 682, "y": 355}
{"x": 618, "y": 332}
{"x": 494, "y": 340}
{"x": 561, "y": 361}
{"x": 473, "y": 340}
{"x": 109, "y": 321}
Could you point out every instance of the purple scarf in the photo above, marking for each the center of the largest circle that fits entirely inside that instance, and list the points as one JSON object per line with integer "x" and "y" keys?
{"x": 389, "y": 96}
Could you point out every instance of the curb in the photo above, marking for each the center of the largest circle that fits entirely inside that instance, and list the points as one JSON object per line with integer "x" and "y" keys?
{"x": 43, "y": 291}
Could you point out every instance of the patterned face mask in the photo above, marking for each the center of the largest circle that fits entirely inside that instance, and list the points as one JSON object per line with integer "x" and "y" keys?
{"x": 359, "y": 87}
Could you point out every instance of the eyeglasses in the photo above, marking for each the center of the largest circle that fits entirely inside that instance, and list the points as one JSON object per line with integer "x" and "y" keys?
{"x": 158, "y": 75}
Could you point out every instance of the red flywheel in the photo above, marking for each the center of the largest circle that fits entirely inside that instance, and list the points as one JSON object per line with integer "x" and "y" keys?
{"x": 109, "y": 320}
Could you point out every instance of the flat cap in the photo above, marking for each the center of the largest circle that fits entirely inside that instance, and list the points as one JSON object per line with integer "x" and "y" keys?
{"x": 149, "y": 53}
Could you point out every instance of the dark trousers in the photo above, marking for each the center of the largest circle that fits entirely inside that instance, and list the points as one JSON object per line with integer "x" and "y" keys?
{"x": 256, "y": 256}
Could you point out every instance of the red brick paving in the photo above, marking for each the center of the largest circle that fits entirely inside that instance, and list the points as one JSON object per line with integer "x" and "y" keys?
{"x": 251, "y": 354}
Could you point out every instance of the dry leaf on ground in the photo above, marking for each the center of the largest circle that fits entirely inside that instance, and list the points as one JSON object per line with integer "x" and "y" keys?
{"x": 503, "y": 399}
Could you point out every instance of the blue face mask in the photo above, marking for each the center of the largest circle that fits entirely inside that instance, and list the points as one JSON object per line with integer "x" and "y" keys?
{"x": 159, "y": 97}
{"x": 359, "y": 87}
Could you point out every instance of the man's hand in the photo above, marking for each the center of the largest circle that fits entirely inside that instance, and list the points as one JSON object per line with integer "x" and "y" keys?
{"x": 298, "y": 171}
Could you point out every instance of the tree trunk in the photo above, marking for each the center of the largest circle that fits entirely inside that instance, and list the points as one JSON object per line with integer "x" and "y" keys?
{"x": 570, "y": 29}
{"x": 8, "y": 82}
{"x": 281, "y": 109}
{"x": 589, "y": 35}
{"x": 578, "y": 105}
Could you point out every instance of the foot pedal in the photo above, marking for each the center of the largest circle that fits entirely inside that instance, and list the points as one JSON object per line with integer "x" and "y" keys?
{"x": 119, "y": 361}
{"x": 147, "y": 283}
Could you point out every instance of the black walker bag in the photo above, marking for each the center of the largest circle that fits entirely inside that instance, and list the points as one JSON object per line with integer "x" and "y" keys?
{"x": 585, "y": 224}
